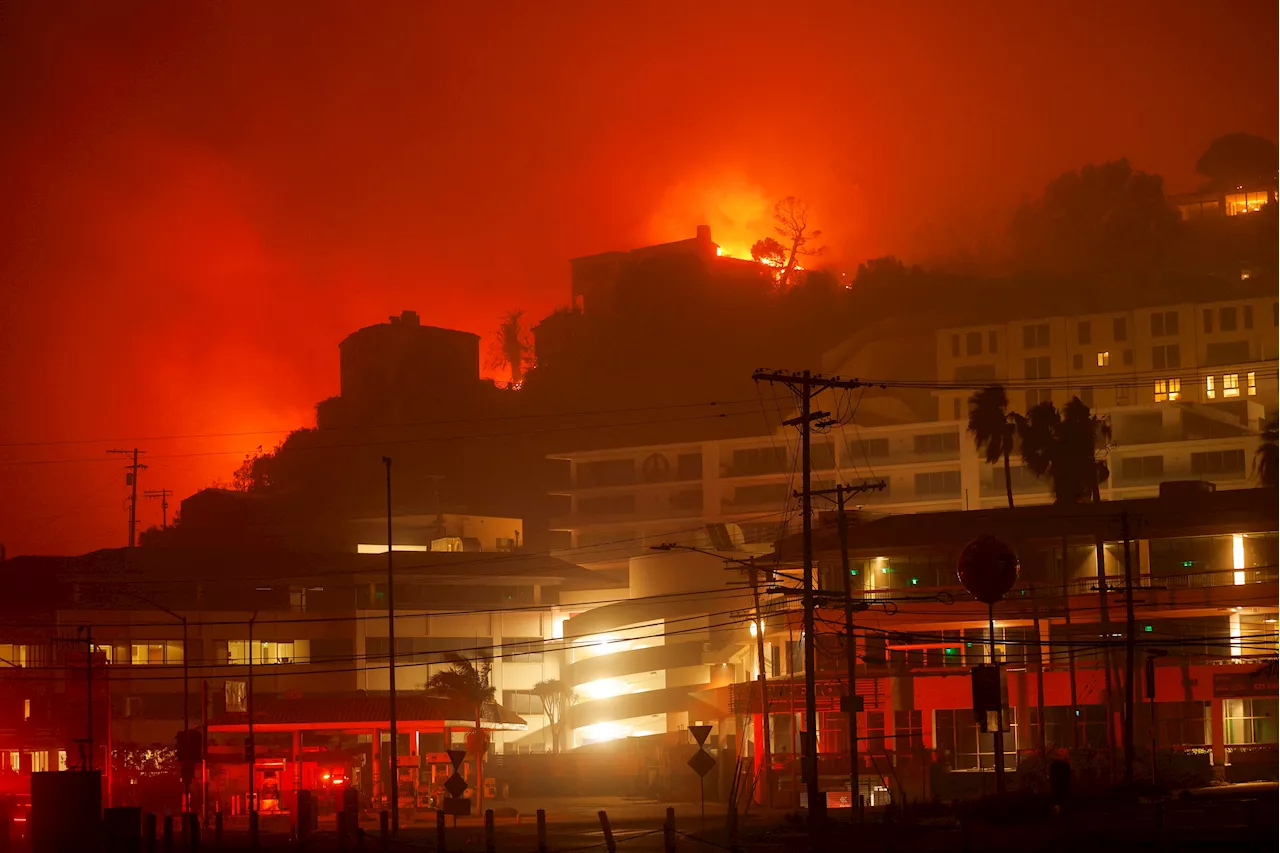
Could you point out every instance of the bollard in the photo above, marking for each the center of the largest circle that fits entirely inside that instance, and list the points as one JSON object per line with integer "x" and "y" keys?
{"x": 488, "y": 831}
{"x": 149, "y": 833}
{"x": 384, "y": 828}
{"x": 253, "y": 829}
{"x": 217, "y": 830}
{"x": 440, "y": 833}
{"x": 168, "y": 833}
{"x": 609, "y": 843}
{"x": 6, "y": 827}
{"x": 193, "y": 831}
{"x": 669, "y": 831}
{"x": 359, "y": 837}
{"x": 731, "y": 826}
{"x": 542, "y": 831}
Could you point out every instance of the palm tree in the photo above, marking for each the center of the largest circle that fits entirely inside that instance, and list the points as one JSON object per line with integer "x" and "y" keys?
{"x": 994, "y": 430}
{"x": 1265, "y": 459}
{"x": 1064, "y": 446}
{"x": 467, "y": 681}
{"x": 557, "y": 698}
{"x": 511, "y": 349}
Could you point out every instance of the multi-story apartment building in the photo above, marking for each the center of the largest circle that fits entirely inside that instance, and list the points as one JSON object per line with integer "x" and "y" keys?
{"x": 1220, "y": 354}
{"x": 305, "y": 634}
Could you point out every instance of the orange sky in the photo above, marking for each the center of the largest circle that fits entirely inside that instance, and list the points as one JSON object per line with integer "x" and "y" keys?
{"x": 202, "y": 199}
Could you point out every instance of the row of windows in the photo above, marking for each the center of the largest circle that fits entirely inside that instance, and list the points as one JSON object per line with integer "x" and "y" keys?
{"x": 1163, "y": 324}
{"x": 1231, "y": 385}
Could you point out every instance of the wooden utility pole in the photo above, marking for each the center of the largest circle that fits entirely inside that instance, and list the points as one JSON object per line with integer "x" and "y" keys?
{"x": 766, "y": 747}
{"x": 131, "y": 480}
{"x": 391, "y": 669}
{"x": 851, "y": 660}
{"x": 1130, "y": 644}
{"x": 163, "y": 495}
{"x": 805, "y": 386}
{"x": 1071, "y": 648}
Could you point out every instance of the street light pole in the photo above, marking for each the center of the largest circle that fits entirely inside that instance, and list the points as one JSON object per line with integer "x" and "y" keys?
{"x": 391, "y": 661}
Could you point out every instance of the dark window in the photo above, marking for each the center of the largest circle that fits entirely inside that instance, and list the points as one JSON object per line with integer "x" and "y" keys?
{"x": 1226, "y": 352}
{"x": 1141, "y": 468}
{"x": 1248, "y": 316}
{"x": 955, "y": 408}
{"x": 1035, "y": 336}
{"x": 908, "y": 730}
{"x": 689, "y": 466}
{"x": 869, "y": 448}
{"x": 991, "y": 342}
{"x": 1218, "y": 462}
{"x": 522, "y": 702}
{"x": 936, "y": 442}
{"x": 1120, "y": 329}
{"x": 607, "y": 505}
{"x": 1077, "y": 362}
{"x": 938, "y": 483}
{"x": 606, "y": 472}
{"x": 955, "y": 344}
{"x": 1036, "y": 397}
{"x": 1128, "y": 356}
{"x": 765, "y": 493}
{"x": 973, "y": 343}
{"x": 759, "y": 460}
{"x": 1227, "y": 319}
{"x": 1037, "y": 368}
{"x": 1086, "y": 396}
{"x": 823, "y": 455}
{"x": 1208, "y": 320}
{"x": 1083, "y": 332}
{"x": 1167, "y": 355}
{"x": 1164, "y": 323}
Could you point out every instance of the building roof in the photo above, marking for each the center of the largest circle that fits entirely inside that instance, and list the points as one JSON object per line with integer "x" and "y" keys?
{"x": 1214, "y": 513}
{"x": 356, "y": 710}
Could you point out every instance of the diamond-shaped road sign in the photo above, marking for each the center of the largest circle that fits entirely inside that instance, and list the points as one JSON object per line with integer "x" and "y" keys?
{"x": 456, "y": 786}
{"x": 702, "y": 763}
{"x": 700, "y": 733}
{"x": 457, "y": 756}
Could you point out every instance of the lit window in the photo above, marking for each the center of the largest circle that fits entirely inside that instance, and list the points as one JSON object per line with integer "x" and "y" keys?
{"x": 1231, "y": 385}
{"x": 1104, "y": 359}
{"x": 143, "y": 654}
{"x": 1168, "y": 390}
{"x": 1251, "y": 379}
{"x": 1208, "y": 388}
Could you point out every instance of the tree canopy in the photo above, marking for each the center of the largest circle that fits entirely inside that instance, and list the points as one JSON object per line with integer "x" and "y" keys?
{"x": 1238, "y": 160}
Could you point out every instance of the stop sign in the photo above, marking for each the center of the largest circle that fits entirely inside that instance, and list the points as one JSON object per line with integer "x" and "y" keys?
{"x": 988, "y": 568}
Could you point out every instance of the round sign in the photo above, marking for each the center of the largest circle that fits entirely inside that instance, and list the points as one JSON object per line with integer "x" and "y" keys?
{"x": 988, "y": 568}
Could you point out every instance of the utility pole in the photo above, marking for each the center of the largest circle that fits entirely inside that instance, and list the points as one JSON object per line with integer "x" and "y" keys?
{"x": 391, "y": 667}
{"x": 1130, "y": 643}
{"x": 851, "y": 646}
{"x": 767, "y": 763}
{"x": 131, "y": 480}
{"x": 252, "y": 746}
{"x": 805, "y": 386}
{"x": 1071, "y": 648}
{"x": 88, "y": 678}
{"x": 163, "y": 495}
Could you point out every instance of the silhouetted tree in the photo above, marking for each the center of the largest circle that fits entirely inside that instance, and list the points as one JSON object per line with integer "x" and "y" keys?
{"x": 792, "y": 218}
{"x": 252, "y": 474}
{"x": 994, "y": 430}
{"x": 557, "y": 698}
{"x": 769, "y": 252}
{"x": 1064, "y": 447}
{"x": 1097, "y": 218}
{"x": 1239, "y": 160}
{"x": 1264, "y": 458}
{"x": 511, "y": 348}
{"x": 467, "y": 681}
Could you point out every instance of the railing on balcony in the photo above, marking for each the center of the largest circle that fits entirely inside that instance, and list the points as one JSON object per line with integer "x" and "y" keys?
{"x": 1087, "y": 585}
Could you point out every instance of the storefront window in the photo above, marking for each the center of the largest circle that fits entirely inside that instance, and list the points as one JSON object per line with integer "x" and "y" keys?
{"x": 1250, "y": 721}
